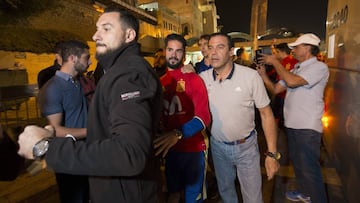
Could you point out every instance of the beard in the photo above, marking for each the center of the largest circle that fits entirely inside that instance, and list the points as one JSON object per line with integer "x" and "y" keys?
{"x": 108, "y": 53}
{"x": 80, "y": 68}
{"x": 104, "y": 55}
{"x": 173, "y": 66}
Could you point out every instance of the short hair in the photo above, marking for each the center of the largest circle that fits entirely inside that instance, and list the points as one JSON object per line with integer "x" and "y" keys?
{"x": 205, "y": 37}
{"x": 228, "y": 38}
{"x": 159, "y": 50}
{"x": 58, "y": 47}
{"x": 73, "y": 47}
{"x": 283, "y": 47}
{"x": 240, "y": 51}
{"x": 176, "y": 37}
{"x": 315, "y": 50}
{"x": 126, "y": 19}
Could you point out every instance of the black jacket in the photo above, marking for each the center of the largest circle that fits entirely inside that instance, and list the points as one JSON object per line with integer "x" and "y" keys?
{"x": 123, "y": 117}
{"x": 46, "y": 74}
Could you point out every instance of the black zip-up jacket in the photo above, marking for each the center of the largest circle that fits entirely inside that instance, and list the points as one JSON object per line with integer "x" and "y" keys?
{"x": 118, "y": 154}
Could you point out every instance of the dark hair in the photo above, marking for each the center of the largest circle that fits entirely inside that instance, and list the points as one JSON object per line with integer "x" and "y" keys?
{"x": 58, "y": 47}
{"x": 315, "y": 50}
{"x": 229, "y": 40}
{"x": 283, "y": 47}
{"x": 126, "y": 19}
{"x": 205, "y": 37}
{"x": 240, "y": 51}
{"x": 176, "y": 37}
{"x": 73, "y": 47}
{"x": 159, "y": 50}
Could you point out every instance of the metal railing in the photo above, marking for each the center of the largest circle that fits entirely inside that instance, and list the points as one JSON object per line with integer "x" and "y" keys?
{"x": 19, "y": 107}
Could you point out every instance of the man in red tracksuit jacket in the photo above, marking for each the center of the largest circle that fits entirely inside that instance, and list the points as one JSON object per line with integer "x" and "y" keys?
{"x": 185, "y": 117}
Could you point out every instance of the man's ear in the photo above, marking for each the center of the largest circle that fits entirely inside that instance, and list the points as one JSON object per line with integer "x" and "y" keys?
{"x": 72, "y": 58}
{"x": 58, "y": 58}
{"x": 130, "y": 35}
{"x": 232, "y": 51}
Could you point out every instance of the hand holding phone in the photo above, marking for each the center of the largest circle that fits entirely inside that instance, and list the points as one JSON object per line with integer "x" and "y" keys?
{"x": 260, "y": 52}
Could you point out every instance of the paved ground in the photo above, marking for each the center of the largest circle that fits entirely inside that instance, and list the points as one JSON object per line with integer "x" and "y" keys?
{"x": 41, "y": 187}
{"x": 285, "y": 180}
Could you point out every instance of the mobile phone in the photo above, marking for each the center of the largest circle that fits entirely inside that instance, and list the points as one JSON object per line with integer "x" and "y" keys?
{"x": 266, "y": 50}
{"x": 263, "y": 50}
{"x": 257, "y": 55}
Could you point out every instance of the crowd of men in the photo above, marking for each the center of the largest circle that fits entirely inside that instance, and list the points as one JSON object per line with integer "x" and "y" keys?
{"x": 191, "y": 119}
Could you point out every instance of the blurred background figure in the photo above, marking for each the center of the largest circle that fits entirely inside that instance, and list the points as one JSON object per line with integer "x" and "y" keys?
{"x": 204, "y": 64}
{"x": 241, "y": 57}
{"x": 160, "y": 62}
{"x": 283, "y": 53}
{"x": 45, "y": 74}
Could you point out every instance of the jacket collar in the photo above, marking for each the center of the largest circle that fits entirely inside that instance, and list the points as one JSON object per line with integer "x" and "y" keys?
{"x": 108, "y": 61}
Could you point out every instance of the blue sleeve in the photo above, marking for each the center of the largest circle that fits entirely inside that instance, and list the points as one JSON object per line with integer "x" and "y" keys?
{"x": 50, "y": 100}
{"x": 191, "y": 127}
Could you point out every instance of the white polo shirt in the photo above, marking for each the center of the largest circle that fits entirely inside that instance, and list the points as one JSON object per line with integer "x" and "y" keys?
{"x": 232, "y": 102}
{"x": 304, "y": 105}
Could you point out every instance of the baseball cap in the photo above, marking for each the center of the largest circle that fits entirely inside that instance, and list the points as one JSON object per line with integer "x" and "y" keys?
{"x": 308, "y": 38}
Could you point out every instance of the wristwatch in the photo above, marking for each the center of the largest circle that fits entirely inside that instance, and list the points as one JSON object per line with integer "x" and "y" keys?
{"x": 274, "y": 155}
{"x": 41, "y": 147}
{"x": 178, "y": 134}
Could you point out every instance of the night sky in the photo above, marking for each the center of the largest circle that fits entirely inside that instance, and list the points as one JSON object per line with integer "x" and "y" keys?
{"x": 300, "y": 16}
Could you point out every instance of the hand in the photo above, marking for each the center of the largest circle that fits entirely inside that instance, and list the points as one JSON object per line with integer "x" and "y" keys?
{"x": 31, "y": 135}
{"x": 188, "y": 68}
{"x": 163, "y": 143}
{"x": 272, "y": 166}
{"x": 267, "y": 59}
{"x": 261, "y": 70}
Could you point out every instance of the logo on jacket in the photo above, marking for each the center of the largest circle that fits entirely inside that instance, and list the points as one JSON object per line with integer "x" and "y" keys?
{"x": 180, "y": 86}
{"x": 130, "y": 95}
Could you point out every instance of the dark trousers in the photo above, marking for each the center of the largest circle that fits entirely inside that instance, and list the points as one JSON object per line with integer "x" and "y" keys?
{"x": 304, "y": 152}
{"x": 73, "y": 188}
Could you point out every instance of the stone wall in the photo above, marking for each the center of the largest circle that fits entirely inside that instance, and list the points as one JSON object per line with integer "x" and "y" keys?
{"x": 33, "y": 63}
{"x": 39, "y": 32}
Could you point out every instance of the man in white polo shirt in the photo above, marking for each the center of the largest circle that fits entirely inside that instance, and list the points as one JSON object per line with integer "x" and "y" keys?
{"x": 303, "y": 109}
{"x": 234, "y": 92}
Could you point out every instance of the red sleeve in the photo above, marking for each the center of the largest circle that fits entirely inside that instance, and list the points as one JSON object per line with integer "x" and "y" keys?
{"x": 200, "y": 98}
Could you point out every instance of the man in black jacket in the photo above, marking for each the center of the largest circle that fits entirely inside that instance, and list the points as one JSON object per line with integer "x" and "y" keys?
{"x": 47, "y": 73}
{"x": 123, "y": 117}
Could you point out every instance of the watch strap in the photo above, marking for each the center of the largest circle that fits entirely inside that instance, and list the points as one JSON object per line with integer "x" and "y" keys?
{"x": 274, "y": 155}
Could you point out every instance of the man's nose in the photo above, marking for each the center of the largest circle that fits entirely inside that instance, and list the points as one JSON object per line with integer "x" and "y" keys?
{"x": 96, "y": 37}
{"x": 173, "y": 53}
